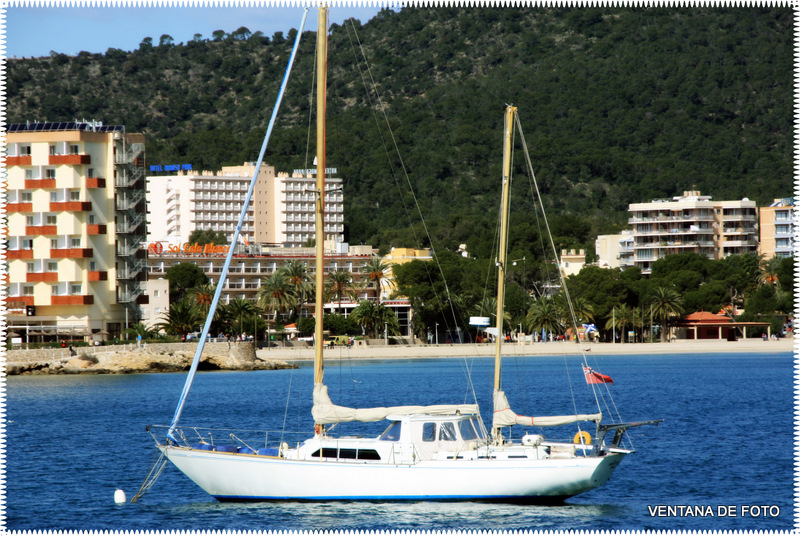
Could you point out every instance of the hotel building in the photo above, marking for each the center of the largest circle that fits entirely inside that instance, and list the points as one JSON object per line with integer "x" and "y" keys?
{"x": 281, "y": 211}
{"x": 692, "y": 222}
{"x": 76, "y": 221}
{"x": 776, "y": 229}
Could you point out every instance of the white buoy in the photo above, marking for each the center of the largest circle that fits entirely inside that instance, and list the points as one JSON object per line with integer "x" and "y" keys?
{"x": 119, "y": 497}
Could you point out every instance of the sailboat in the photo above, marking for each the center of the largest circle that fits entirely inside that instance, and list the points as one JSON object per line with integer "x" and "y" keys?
{"x": 440, "y": 452}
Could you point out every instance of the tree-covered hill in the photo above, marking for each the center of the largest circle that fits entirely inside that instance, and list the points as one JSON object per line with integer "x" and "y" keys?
{"x": 619, "y": 105}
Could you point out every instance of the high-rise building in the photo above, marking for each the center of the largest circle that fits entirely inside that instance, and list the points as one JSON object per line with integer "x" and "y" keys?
{"x": 281, "y": 211}
{"x": 692, "y": 222}
{"x": 76, "y": 223}
{"x": 776, "y": 228}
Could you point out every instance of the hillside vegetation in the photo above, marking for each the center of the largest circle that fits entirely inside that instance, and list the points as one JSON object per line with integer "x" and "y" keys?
{"x": 618, "y": 106}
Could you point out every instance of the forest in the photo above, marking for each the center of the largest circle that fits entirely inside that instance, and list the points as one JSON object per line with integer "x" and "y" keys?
{"x": 619, "y": 105}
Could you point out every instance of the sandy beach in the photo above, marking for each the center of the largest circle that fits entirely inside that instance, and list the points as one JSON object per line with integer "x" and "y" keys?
{"x": 549, "y": 348}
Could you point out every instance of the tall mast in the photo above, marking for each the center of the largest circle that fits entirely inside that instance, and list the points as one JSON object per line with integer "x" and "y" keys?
{"x": 322, "y": 62}
{"x": 501, "y": 260}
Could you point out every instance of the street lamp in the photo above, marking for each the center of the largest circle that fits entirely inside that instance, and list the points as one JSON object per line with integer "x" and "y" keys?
{"x": 437, "y": 333}
{"x": 524, "y": 271}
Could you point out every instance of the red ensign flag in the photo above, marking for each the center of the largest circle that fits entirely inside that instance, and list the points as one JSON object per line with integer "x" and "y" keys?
{"x": 595, "y": 377}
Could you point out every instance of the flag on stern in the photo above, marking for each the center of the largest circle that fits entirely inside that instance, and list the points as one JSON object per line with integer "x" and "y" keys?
{"x": 595, "y": 377}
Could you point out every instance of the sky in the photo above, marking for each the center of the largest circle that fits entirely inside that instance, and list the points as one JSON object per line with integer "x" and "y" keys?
{"x": 36, "y": 31}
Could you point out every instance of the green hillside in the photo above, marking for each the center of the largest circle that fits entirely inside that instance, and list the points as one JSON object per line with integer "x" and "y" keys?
{"x": 618, "y": 106}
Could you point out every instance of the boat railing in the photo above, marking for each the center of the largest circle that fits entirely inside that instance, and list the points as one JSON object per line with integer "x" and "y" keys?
{"x": 233, "y": 440}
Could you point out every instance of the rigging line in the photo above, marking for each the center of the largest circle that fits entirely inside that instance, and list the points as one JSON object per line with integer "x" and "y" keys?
{"x": 224, "y": 274}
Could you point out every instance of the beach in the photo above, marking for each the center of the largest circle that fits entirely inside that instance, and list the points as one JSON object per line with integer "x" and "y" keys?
{"x": 405, "y": 351}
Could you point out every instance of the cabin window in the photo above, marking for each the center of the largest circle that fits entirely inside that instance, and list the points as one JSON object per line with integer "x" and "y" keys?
{"x": 447, "y": 432}
{"x": 467, "y": 431}
{"x": 429, "y": 431}
{"x": 392, "y": 433}
{"x": 348, "y": 454}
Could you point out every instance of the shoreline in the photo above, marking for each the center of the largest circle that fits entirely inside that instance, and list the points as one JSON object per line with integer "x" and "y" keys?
{"x": 422, "y": 351}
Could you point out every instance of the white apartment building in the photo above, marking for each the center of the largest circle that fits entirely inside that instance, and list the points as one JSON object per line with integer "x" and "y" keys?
{"x": 615, "y": 251}
{"x": 692, "y": 222}
{"x": 281, "y": 211}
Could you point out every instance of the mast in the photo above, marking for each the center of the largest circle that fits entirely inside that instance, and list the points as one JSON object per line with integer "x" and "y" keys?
{"x": 503, "y": 246}
{"x": 322, "y": 61}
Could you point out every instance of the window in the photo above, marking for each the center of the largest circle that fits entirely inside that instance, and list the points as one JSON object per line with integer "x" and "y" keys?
{"x": 782, "y": 243}
{"x": 29, "y": 221}
{"x": 156, "y": 293}
{"x": 392, "y": 433}
{"x": 26, "y": 197}
{"x": 52, "y": 266}
{"x": 447, "y": 432}
{"x": 27, "y": 243}
{"x": 429, "y": 431}
{"x": 28, "y": 174}
{"x": 90, "y": 173}
{"x": 27, "y": 290}
{"x": 75, "y": 242}
{"x": 49, "y": 173}
{"x": 54, "y": 243}
{"x": 50, "y": 219}
{"x": 24, "y": 150}
{"x": 52, "y": 150}
{"x": 31, "y": 267}
{"x": 91, "y": 219}
{"x": 782, "y": 229}
{"x": 92, "y": 266}
{"x": 54, "y": 290}
{"x": 54, "y": 197}
{"x": 74, "y": 149}
{"x": 467, "y": 431}
{"x": 156, "y": 310}
{"x": 75, "y": 195}
{"x": 75, "y": 289}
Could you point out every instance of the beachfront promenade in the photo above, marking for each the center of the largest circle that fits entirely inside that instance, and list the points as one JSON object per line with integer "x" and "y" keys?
{"x": 547, "y": 348}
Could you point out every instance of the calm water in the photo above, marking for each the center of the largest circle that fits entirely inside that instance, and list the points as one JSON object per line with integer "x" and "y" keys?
{"x": 726, "y": 440}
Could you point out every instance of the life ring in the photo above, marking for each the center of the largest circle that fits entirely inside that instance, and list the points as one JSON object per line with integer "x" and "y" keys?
{"x": 582, "y": 438}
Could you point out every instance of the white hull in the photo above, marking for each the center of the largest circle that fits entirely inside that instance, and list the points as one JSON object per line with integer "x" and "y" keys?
{"x": 248, "y": 477}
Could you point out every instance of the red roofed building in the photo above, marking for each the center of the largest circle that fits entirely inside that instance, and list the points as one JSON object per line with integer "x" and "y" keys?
{"x": 705, "y": 325}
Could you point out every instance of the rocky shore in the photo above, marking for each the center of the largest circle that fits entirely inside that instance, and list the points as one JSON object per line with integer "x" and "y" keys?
{"x": 133, "y": 360}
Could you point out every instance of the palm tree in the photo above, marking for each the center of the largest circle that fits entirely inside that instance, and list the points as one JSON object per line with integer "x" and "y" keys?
{"x": 276, "y": 293}
{"x": 340, "y": 284}
{"x": 666, "y": 304}
{"x": 297, "y": 273}
{"x": 376, "y": 270}
{"x": 373, "y": 315}
{"x": 768, "y": 272}
{"x": 235, "y": 312}
{"x": 619, "y": 319}
{"x": 203, "y": 295}
{"x": 141, "y": 329}
{"x": 543, "y": 314}
{"x": 183, "y": 317}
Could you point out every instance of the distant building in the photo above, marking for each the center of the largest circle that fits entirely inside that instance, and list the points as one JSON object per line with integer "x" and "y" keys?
{"x": 692, "y": 222}
{"x": 75, "y": 213}
{"x": 776, "y": 229}
{"x": 281, "y": 210}
{"x": 153, "y": 312}
{"x": 572, "y": 262}
{"x": 614, "y": 251}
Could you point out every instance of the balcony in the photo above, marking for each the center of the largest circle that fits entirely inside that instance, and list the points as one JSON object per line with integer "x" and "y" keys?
{"x": 41, "y": 277}
{"x": 70, "y": 159}
{"x": 19, "y": 207}
{"x": 22, "y": 300}
{"x": 33, "y": 184}
{"x": 38, "y": 230}
{"x": 96, "y": 229}
{"x": 95, "y": 182}
{"x": 72, "y": 300}
{"x": 71, "y": 206}
{"x": 72, "y": 253}
{"x": 24, "y": 160}
{"x": 13, "y": 254}
{"x": 97, "y": 276}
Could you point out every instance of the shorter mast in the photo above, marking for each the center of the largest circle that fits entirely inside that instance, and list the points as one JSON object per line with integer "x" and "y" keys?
{"x": 501, "y": 260}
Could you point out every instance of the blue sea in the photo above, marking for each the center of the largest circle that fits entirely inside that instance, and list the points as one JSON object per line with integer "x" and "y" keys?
{"x": 725, "y": 446}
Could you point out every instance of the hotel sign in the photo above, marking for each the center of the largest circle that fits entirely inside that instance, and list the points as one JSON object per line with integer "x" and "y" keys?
{"x": 171, "y": 167}
{"x": 157, "y": 248}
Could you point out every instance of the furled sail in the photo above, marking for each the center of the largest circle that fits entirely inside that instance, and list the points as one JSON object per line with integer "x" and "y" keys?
{"x": 504, "y": 416}
{"x": 325, "y": 412}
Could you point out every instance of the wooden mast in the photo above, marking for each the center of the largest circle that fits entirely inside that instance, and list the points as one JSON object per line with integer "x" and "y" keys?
{"x": 501, "y": 259}
{"x": 322, "y": 61}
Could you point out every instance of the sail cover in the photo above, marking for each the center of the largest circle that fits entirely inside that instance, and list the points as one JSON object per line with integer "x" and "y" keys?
{"x": 504, "y": 416}
{"x": 325, "y": 412}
